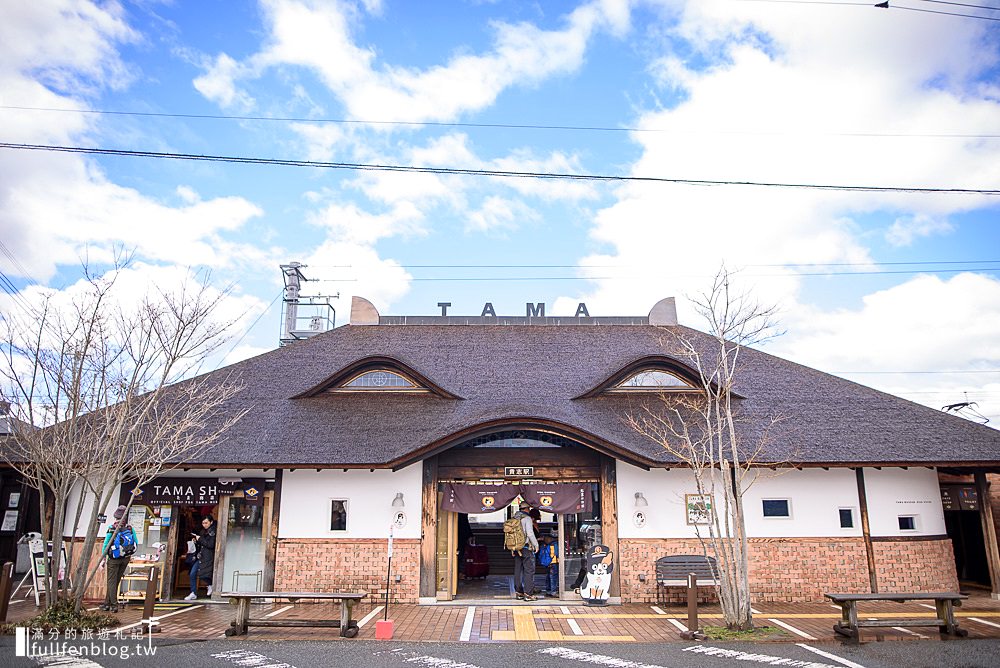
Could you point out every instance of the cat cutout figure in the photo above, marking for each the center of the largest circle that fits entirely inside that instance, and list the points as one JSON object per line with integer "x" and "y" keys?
{"x": 600, "y": 564}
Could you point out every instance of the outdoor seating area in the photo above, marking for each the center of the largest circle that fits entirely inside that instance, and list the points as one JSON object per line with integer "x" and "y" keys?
{"x": 789, "y": 622}
{"x": 944, "y": 605}
{"x": 673, "y": 571}
{"x": 342, "y": 620}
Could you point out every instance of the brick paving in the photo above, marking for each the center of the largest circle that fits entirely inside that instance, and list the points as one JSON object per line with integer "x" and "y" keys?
{"x": 980, "y": 616}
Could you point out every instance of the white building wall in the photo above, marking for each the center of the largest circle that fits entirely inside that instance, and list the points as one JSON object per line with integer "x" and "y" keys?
{"x": 306, "y": 497}
{"x": 894, "y": 491}
{"x": 815, "y": 497}
{"x": 664, "y": 491}
{"x": 88, "y": 504}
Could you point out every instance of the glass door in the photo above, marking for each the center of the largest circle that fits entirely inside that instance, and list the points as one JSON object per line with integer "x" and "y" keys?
{"x": 578, "y": 532}
{"x": 447, "y": 555}
{"x": 248, "y": 523}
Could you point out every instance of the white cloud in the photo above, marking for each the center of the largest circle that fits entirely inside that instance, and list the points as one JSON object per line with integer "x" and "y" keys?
{"x": 905, "y": 230}
{"x": 52, "y": 206}
{"x": 141, "y": 281}
{"x": 924, "y": 324}
{"x": 347, "y": 223}
{"x": 498, "y": 215}
{"x": 217, "y": 84}
{"x": 320, "y": 140}
{"x": 318, "y": 36}
{"x": 380, "y": 281}
{"x": 65, "y": 43}
{"x": 785, "y": 87}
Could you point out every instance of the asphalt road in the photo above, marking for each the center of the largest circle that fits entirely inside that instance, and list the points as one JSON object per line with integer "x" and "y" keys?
{"x": 373, "y": 654}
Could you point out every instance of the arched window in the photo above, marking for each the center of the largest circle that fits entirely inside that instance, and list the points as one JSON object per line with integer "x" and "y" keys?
{"x": 377, "y": 374}
{"x": 380, "y": 379}
{"x": 652, "y": 380}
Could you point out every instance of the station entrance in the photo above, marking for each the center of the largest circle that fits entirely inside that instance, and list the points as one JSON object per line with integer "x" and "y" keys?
{"x": 479, "y": 486}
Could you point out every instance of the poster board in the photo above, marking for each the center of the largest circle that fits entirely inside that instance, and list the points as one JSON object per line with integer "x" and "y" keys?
{"x": 41, "y": 561}
{"x": 9, "y": 521}
{"x": 137, "y": 518}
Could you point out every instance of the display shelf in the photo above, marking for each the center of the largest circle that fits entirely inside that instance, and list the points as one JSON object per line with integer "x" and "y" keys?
{"x": 133, "y": 584}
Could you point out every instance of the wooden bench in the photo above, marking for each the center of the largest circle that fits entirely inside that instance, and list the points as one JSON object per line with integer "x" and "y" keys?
{"x": 673, "y": 571}
{"x": 348, "y": 628}
{"x": 944, "y": 602}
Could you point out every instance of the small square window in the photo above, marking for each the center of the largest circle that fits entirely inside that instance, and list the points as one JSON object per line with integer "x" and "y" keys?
{"x": 907, "y": 523}
{"x": 776, "y": 508}
{"x": 846, "y": 518}
{"x": 338, "y": 515}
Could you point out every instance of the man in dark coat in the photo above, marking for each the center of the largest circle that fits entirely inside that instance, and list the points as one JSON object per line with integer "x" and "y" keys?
{"x": 204, "y": 562}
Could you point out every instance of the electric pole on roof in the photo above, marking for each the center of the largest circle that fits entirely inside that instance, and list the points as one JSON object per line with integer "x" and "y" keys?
{"x": 316, "y": 309}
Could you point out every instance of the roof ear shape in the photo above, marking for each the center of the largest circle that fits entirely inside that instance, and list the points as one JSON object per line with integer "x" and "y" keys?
{"x": 660, "y": 370}
{"x": 349, "y": 379}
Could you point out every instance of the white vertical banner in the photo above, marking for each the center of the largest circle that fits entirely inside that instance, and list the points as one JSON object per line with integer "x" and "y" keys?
{"x": 390, "y": 541}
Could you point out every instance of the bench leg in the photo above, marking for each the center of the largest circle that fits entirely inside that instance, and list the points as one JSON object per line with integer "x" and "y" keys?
{"x": 348, "y": 629}
{"x": 848, "y": 625}
{"x": 946, "y": 612}
{"x": 239, "y": 625}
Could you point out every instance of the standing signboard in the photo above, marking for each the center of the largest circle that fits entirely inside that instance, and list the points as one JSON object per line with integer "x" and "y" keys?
{"x": 41, "y": 561}
{"x": 600, "y": 565}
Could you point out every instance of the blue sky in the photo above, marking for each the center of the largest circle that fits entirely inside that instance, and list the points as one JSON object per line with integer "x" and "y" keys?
{"x": 720, "y": 90}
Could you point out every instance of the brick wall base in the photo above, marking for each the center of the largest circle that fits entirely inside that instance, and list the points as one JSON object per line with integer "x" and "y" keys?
{"x": 926, "y": 565}
{"x": 348, "y": 565}
{"x": 799, "y": 569}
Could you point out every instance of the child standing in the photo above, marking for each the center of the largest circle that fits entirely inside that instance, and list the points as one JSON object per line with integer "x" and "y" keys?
{"x": 548, "y": 555}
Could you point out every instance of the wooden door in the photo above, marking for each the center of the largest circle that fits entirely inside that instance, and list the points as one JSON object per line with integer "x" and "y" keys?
{"x": 447, "y": 555}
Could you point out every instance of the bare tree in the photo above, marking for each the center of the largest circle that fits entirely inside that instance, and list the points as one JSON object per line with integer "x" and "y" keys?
{"x": 703, "y": 429}
{"x": 104, "y": 395}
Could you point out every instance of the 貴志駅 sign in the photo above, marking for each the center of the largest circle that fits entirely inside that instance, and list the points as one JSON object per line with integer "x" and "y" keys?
{"x": 518, "y": 471}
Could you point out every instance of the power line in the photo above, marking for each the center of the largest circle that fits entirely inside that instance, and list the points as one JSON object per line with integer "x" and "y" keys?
{"x": 506, "y": 126}
{"x": 934, "y": 11}
{"x": 497, "y": 173}
{"x": 512, "y": 279}
{"x": 888, "y": 5}
{"x": 254, "y": 323}
{"x": 627, "y": 266}
{"x": 962, "y": 4}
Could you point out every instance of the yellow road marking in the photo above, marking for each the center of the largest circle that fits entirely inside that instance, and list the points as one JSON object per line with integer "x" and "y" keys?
{"x": 525, "y": 629}
{"x": 524, "y": 624}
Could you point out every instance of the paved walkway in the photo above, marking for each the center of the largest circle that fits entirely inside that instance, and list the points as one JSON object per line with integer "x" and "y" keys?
{"x": 793, "y": 622}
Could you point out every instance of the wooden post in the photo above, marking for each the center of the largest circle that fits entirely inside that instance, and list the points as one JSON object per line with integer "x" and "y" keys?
{"x": 271, "y": 546}
{"x": 989, "y": 532}
{"x": 221, "y": 535}
{"x": 428, "y": 524}
{"x": 609, "y": 518}
{"x": 866, "y": 529}
{"x": 149, "y": 605}
{"x": 692, "y": 603}
{"x": 6, "y": 575}
{"x": 174, "y": 540}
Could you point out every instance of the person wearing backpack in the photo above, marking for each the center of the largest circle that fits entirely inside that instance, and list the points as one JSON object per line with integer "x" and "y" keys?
{"x": 119, "y": 545}
{"x": 519, "y": 538}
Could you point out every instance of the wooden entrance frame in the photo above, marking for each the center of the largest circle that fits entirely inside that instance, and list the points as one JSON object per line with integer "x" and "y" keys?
{"x": 556, "y": 464}
{"x": 989, "y": 532}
